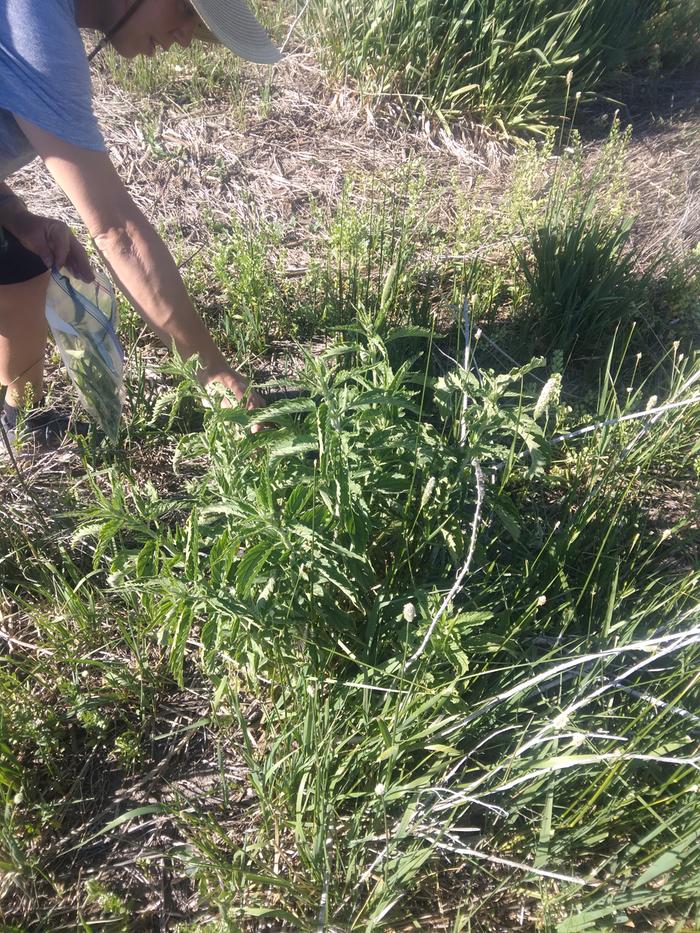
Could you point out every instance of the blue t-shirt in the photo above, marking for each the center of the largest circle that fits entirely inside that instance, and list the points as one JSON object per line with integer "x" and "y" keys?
{"x": 44, "y": 78}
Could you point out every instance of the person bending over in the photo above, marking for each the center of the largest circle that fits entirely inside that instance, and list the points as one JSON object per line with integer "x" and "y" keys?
{"x": 46, "y": 110}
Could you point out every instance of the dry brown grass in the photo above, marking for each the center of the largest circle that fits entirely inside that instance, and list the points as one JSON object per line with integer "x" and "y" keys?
{"x": 276, "y": 158}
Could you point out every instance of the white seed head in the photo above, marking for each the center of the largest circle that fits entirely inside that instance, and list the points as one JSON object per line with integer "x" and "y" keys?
{"x": 409, "y": 612}
{"x": 428, "y": 492}
{"x": 380, "y": 790}
{"x": 549, "y": 396}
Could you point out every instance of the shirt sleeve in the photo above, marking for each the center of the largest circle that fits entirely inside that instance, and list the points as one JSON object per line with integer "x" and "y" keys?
{"x": 44, "y": 72}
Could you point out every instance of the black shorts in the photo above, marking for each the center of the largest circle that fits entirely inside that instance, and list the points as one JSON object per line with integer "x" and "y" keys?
{"x": 17, "y": 264}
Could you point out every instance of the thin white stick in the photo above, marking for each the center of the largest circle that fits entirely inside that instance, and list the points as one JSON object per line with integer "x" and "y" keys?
{"x": 632, "y": 416}
{"x": 647, "y": 427}
{"x": 659, "y": 410}
{"x": 457, "y": 585}
{"x": 592, "y": 759}
{"x": 497, "y": 860}
{"x": 662, "y": 704}
{"x": 647, "y": 645}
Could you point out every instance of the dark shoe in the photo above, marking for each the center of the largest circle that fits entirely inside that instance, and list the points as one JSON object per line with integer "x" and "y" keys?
{"x": 42, "y": 428}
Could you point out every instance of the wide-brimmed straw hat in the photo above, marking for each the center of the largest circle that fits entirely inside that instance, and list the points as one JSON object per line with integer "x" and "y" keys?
{"x": 233, "y": 23}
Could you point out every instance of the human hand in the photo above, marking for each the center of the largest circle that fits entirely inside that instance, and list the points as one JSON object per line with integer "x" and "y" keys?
{"x": 53, "y": 242}
{"x": 240, "y": 387}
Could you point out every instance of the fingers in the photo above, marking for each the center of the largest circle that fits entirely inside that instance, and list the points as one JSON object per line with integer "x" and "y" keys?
{"x": 63, "y": 249}
{"x": 255, "y": 400}
{"x": 78, "y": 261}
{"x": 56, "y": 245}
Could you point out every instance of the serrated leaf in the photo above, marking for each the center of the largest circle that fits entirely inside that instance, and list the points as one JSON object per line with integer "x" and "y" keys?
{"x": 292, "y": 447}
{"x": 368, "y": 399}
{"x": 400, "y": 333}
{"x": 292, "y": 406}
{"x": 388, "y": 288}
{"x": 507, "y": 520}
{"x": 87, "y": 531}
{"x": 250, "y": 566}
{"x": 335, "y": 576}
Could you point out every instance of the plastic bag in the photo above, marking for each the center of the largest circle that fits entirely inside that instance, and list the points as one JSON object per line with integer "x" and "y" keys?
{"x": 83, "y": 321}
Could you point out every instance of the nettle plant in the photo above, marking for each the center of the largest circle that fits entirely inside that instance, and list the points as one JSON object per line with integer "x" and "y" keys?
{"x": 360, "y": 500}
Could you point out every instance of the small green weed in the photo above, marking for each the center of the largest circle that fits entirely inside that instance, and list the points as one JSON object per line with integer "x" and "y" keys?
{"x": 377, "y": 255}
{"x": 183, "y": 77}
{"x": 248, "y": 263}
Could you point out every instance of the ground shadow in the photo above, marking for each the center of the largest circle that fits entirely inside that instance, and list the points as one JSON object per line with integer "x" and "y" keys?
{"x": 653, "y": 104}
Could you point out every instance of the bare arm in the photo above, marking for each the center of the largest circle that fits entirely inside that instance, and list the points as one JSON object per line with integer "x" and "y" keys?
{"x": 136, "y": 255}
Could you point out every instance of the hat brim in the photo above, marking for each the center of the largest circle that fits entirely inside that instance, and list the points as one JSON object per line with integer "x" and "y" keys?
{"x": 232, "y": 23}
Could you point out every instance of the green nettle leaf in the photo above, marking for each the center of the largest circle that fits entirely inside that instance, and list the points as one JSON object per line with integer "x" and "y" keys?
{"x": 290, "y": 446}
{"x": 250, "y": 566}
{"x": 388, "y": 290}
{"x": 283, "y": 409}
{"x": 539, "y": 454}
{"x": 323, "y": 568}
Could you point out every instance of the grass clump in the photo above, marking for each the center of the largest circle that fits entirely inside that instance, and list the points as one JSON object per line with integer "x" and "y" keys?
{"x": 581, "y": 281}
{"x": 504, "y": 62}
{"x": 248, "y": 269}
